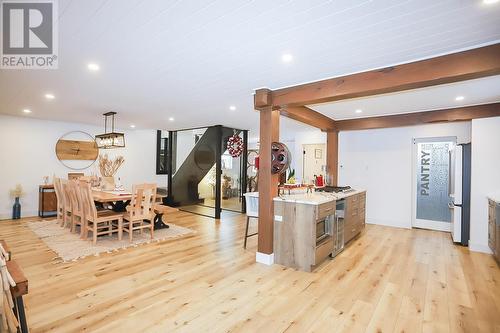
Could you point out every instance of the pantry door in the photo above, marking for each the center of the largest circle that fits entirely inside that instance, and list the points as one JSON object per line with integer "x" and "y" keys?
{"x": 432, "y": 170}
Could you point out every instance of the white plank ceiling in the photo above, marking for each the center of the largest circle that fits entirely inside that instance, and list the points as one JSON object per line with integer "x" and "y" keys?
{"x": 191, "y": 60}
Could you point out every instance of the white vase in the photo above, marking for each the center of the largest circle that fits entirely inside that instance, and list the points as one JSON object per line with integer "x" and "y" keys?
{"x": 108, "y": 183}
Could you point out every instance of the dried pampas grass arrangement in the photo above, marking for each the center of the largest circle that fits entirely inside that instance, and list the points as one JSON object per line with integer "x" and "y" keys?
{"x": 109, "y": 167}
{"x": 17, "y": 192}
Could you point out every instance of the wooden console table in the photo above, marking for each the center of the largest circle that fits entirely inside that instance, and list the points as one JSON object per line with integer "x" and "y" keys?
{"x": 47, "y": 201}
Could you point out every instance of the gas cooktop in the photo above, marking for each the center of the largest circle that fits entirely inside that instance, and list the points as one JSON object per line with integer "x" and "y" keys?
{"x": 335, "y": 189}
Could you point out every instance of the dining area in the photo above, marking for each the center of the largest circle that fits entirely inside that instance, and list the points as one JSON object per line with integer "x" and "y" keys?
{"x": 90, "y": 220}
{"x": 86, "y": 210}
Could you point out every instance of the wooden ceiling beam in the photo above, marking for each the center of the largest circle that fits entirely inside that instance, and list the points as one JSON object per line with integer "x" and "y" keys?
{"x": 309, "y": 117}
{"x": 262, "y": 98}
{"x": 417, "y": 118}
{"x": 466, "y": 65}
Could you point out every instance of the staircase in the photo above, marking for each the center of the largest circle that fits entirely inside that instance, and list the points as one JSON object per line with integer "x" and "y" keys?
{"x": 195, "y": 167}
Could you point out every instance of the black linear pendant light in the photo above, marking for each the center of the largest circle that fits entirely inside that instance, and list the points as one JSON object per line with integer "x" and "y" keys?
{"x": 110, "y": 140}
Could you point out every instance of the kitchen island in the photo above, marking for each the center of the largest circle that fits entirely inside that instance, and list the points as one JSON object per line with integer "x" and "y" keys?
{"x": 310, "y": 227}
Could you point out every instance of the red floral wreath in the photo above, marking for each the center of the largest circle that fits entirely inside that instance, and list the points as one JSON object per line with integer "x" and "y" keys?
{"x": 235, "y": 145}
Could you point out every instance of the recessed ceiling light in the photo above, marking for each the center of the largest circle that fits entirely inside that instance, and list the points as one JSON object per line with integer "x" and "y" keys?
{"x": 26, "y": 110}
{"x": 359, "y": 111}
{"x": 459, "y": 98}
{"x": 49, "y": 96}
{"x": 171, "y": 119}
{"x": 132, "y": 126}
{"x": 93, "y": 67}
{"x": 232, "y": 108}
{"x": 287, "y": 57}
{"x": 489, "y": 2}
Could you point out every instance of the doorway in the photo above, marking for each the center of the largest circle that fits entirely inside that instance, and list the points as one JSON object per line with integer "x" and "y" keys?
{"x": 314, "y": 161}
{"x": 431, "y": 183}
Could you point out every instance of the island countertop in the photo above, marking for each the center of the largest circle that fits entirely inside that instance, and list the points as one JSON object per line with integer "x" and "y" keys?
{"x": 316, "y": 198}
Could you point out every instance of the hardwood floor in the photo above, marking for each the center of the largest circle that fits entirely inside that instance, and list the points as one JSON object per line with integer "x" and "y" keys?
{"x": 387, "y": 280}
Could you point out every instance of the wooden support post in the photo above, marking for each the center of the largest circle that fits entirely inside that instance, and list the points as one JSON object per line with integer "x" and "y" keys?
{"x": 268, "y": 182}
{"x": 218, "y": 173}
{"x": 332, "y": 156}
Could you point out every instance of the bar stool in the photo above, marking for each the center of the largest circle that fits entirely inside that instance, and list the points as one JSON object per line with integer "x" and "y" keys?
{"x": 252, "y": 205}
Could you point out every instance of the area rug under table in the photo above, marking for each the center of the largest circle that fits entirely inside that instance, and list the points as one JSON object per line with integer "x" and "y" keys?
{"x": 69, "y": 246}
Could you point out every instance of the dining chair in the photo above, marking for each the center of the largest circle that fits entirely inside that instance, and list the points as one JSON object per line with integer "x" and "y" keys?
{"x": 98, "y": 222}
{"x": 252, "y": 208}
{"x": 77, "y": 217}
{"x": 140, "y": 211}
{"x": 66, "y": 220}
{"x": 60, "y": 200}
{"x": 75, "y": 175}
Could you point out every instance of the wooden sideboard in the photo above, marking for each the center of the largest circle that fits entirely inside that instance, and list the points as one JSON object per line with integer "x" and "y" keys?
{"x": 47, "y": 201}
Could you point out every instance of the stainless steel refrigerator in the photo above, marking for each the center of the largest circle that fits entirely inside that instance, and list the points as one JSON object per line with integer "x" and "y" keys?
{"x": 459, "y": 191}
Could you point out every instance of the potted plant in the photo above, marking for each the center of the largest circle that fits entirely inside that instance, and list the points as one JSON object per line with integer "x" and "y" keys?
{"x": 291, "y": 176}
{"x": 16, "y": 193}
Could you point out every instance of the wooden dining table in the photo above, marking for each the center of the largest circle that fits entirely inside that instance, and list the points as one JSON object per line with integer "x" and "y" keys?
{"x": 120, "y": 200}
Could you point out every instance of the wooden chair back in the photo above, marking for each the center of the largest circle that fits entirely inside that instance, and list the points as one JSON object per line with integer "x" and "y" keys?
{"x": 87, "y": 179}
{"x": 75, "y": 198}
{"x": 75, "y": 175}
{"x": 142, "y": 202}
{"x": 59, "y": 195}
{"x": 89, "y": 209}
{"x": 66, "y": 195}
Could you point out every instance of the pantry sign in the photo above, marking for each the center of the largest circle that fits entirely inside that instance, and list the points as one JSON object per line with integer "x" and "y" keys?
{"x": 432, "y": 173}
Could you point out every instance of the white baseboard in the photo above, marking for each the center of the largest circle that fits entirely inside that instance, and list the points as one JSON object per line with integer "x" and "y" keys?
{"x": 24, "y": 214}
{"x": 264, "y": 258}
{"x": 475, "y": 247}
{"x": 388, "y": 223}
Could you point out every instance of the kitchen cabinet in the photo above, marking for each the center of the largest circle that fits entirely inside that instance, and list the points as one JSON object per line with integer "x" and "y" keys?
{"x": 355, "y": 215}
{"x": 494, "y": 228}
{"x": 491, "y": 225}
{"x": 497, "y": 233}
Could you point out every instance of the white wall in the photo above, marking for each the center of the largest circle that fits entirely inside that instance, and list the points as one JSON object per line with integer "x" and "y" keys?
{"x": 380, "y": 161}
{"x": 27, "y": 152}
{"x": 485, "y": 177}
{"x": 313, "y": 136}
